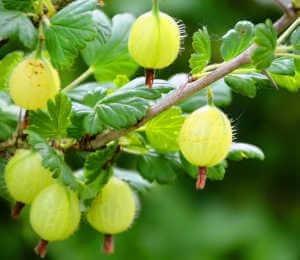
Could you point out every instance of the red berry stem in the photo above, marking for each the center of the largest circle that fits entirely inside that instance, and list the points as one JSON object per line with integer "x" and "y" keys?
{"x": 201, "y": 179}
{"x": 17, "y": 210}
{"x": 150, "y": 76}
{"x": 41, "y": 248}
{"x": 108, "y": 246}
{"x": 26, "y": 122}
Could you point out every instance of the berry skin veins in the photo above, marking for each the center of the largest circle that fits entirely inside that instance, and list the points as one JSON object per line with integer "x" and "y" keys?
{"x": 33, "y": 82}
{"x": 25, "y": 176}
{"x": 113, "y": 210}
{"x": 205, "y": 137}
{"x": 154, "y": 42}
{"x": 55, "y": 213}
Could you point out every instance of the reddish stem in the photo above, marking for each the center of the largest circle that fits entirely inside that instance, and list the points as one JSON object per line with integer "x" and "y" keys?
{"x": 25, "y": 122}
{"x": 41, "y": 248}
{"x": 201, "y": 179}
{"x": 150, "y": 76}
{"x": 108, "y": 246}
{"x": 17, "y": 210}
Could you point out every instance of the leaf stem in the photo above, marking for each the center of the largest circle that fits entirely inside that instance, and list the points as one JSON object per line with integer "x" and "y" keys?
{"x": 288, "y": 55}
{"x": 50, "y": 7}
{"x": 284, "y": 48}
{"x": 288, "y": 31}
{"x": 81, "y": 78}
{"x": 213, "y": 66}
{"x": 39, "y": 9}
{"x": 40, "y": 44}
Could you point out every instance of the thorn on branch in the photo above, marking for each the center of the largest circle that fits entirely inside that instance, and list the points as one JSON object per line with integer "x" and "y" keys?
{"x": 271, "y": 79}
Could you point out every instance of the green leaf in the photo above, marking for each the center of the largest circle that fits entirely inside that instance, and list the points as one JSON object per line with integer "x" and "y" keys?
{"x": 19, "y": 5}
{"x": 92, "y": 124}
{"x": 291, "y": 83}
{"x": 134, "y": 179}
{"x": 121, "y": 80}
{"x": 130, "y": 103}
{"x": 55, "y": 121}
{"x": 282, "y": 66}
{"x": 51, "y": 159}
{"x": 112, "y": 58}
{"x": 95, "y": 162}
{"x": 221, "y": 97}
{"x": 217, "y": 173}
{"x": 163, "y": 130}
{"x": 158, "y": 167}
{"x": 266, "y": 40}
{"x": 295, "y": 39}
{"x": 3, "y": 189}
{"x": 240, "y": 151}
{"x": 7, "y": 64}
{"x": 247, "y": 83}
{"x": 237, "y": 40}
{"x": 89, "y": 191}
{"x": 8, "y": 117}
{"x": 69, "y": 31}
{"x": 202, "y": 48}
{"x": 15, "y": 24}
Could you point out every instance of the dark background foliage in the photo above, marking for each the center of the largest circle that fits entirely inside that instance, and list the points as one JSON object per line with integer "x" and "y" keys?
{"x": 253, "y": 214}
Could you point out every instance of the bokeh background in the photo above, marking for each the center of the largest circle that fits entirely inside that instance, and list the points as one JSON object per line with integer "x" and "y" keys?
{"x": 254, "y": 214}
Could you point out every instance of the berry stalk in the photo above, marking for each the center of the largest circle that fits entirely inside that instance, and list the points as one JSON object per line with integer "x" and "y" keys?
{"x": 41, "y": 248}
{"x": 201, "y": 179}
{"x": 17, "y": 210}
{"x": 108, "y": 246}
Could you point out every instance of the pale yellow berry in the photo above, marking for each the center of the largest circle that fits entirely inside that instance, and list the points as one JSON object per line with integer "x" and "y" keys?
{"x": 33, "y": 82}
{"x": 154, "y": 41}
{"x": 205, "y": 137}
{"x": 55, "y": 213}
{"x": 113, "y": 210}
{"x": 25, "y": 176}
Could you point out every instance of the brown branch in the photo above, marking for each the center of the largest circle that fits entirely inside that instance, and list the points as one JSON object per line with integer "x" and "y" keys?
{"x": 189, "y": 88}
{"x": 286, "y": 7}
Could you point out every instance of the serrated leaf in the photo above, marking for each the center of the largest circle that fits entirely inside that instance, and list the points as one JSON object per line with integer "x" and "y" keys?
{"x": 282, "y": 66}
{"x": 69, "y": 31}
{"x": 55, "y": 121}
{"x": 134, "y": 179}
{"x": 89, "y": 191}
{"x": 295, "y": 39}
{"x": 266, "y": 40}
{"x": 247, "y": 83}
{"x": 163, "y": 130}
{"x": 202, "y": 48}
{"x": 8, "y": 117}
{"x": 93, "y": 124}
{"x": 112, "y": 58}
{"x": 237, "y": 40}
{"x": 130, "y": 103}
{"x": 217, "y": 173}
{"x": 15, "y": 24}
{"x": 51, "y": 159}
{"x": 3, "y": 188}
{"x": 291, "y": 83}
{"x": 221, "y": 97}
{"x": 19, "y": 5}
{"x": 96, "y": 161}
{"x": 7, "y": 64}
{"x": 240, "y": 151}
{"x": 158, "y": 167}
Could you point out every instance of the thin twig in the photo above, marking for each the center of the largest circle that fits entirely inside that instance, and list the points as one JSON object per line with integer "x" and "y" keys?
{"x": 286, "y": 7}
{"x": 189, "y": 88}
{"x": 271, "y": 79}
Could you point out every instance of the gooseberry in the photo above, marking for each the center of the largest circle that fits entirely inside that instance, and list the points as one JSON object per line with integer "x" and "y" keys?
{"x": 113, "y": 210}
{"x": 205, "y": 139}
{"x": 33, "y": 82}
{"x": 25, "y": 177}
{"x": 54, "y": 215}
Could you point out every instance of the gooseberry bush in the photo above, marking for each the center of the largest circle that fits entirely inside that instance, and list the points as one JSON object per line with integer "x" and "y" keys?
{"x": 71, "y": 103}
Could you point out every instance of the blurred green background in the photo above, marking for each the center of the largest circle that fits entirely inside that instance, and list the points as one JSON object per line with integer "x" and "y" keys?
{"x": 254, "y": 214}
